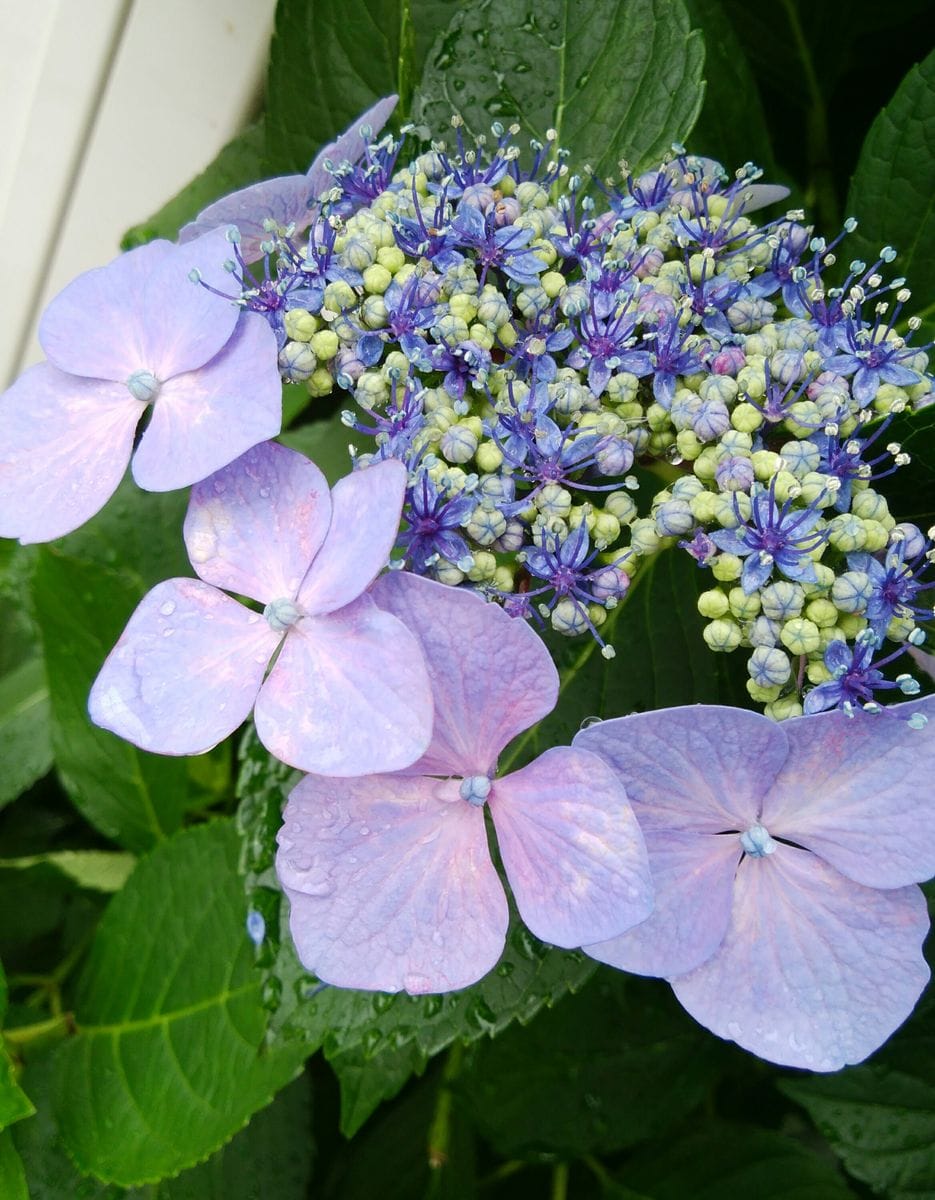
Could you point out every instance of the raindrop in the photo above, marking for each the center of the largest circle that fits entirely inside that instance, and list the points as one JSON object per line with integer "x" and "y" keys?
{"x": 168, "y": 608}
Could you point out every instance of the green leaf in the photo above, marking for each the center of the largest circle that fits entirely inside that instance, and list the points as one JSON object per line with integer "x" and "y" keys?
{"x": 910, "y": 491}
{"x": 732, "y": 126}
{"x": 130, "y": 796}
{"x": 332, "y": 60}
{"x": 269, "y": 1160}
{"x": 366, "y": 1081}
{"x": 12, "y": 1176}
{"x": 615, "y": 78}
{"x": 25, "y": 747}
{"x": 725, "y": 1160}
{"x": 661, "y": 659}
{"x": 602, "y": 1071}
{"x": 97, "y": 870}
{"x": 528, "y": 976}
{"x": 167, "y": 1064}
{"x": 14, "y": 1103}
{"x": 893, "y": 190}
{"x": 239, "y": 163}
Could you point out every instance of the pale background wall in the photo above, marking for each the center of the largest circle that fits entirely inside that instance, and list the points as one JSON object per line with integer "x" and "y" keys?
{"x": 107, "y": 109}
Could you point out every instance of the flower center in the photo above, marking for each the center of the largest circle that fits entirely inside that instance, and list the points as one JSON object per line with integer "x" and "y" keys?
{"x": 757, "y": 842}
{"x": 282, "y": 614}
{"x": 143, "y": 385}
{"x": 475, "y": 789}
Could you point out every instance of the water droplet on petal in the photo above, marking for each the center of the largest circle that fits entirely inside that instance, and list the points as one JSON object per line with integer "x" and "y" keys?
{"x": 168, "y": 608}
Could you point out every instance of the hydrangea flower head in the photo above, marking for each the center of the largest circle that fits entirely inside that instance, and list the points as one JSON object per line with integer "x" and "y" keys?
{"x": 389, "y": 877}
{"x": 348, "y": 692}
{"x": 289, "y": 200}
{"x": 784, "y": 859}
{"x": 137, "y": 336}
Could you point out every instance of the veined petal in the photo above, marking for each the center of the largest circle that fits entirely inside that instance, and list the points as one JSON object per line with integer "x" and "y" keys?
{"x": 492, "y": 676}
{"x": 572, "y": 849}
{"x": 93, "y": 327}
{"x": 184, "y": 324}
{"x": 66, "y": 444}
{"x": 349, "y": 695}
{"x": 858, "y": 792}
{"x": 693, "y": 877}
{"x": 815, "y": 971}
{"x": 254, "y": 526}
{"x": 365, "y": 511}
{"x": 185, "y": 671}
{"x": 390, "y": 884}
{"x": 205, "y": 419}
{"x": 284, "y": 200}
{"x": 703, "y": 767}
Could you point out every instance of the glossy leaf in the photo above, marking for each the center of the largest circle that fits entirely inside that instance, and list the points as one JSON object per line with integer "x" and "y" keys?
{"x": 129, "y": 796}
{"x": 167, "y": 1064}
{"x": 891, "y": 192}
{"x": 366, "y": 1081}
{"x": 620, "y": 79}
{"x": 12, "y": 1175}
{"x": 25, "y": 748}
{"x": 97, "y": 870}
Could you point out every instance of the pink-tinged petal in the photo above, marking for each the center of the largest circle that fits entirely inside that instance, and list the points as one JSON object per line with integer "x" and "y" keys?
{"x": 205, "y": 419}
{"x": 756, "y": 195}
{"x": 492, "y": 676}
{"x": 365, "y": 511}
{"x": 815, "y": 971}
{"x": 390, "y": 884}
{"x": 284, "y": 200}
{"x": 349, "y": 695}
{"x": 350, "y": 146}
{"x": 255, "y": 525}
{"x": 185, "y": 324}
{"x": 693, "y": 876}
{"x": 858, "y": 792}
{"x": 65, "y": 445}
{"x": 93, "y": 326}
{"x": 704, "y": 767}
{"x": 185, "y": 671}
{"x": 571, "y": 847}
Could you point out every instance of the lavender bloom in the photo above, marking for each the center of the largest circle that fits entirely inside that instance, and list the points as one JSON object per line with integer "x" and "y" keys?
{"x": 784, "y": 859}
{"x": 774, "y": 536}
{"x": 122, "y": 338}
{"x": 856, "y": 676}
{"x": 605, "y": 346}
{"x": 390, "y": 880}
{"x": 501, "y": 249}
{"x": 671, "y": 357}
{"x": 347, "y": 694}
{"x": 871, "y": 358}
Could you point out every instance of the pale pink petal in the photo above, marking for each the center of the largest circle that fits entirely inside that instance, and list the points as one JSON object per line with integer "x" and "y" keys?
{"x": 858, "y": 791}
{"x": 185, "y": 671}
{"x": 390, "y": 884}
{"x": 492, "y": 676}
{"x": 349, "y": 695}
{"x": 571, "y": 847}
{"x": 365, "y": 510}
{"x": 351, "y": 144}
{"x": 255, "y": 525}
{"x": 93, "y": 327}
{"x": 703, "y": 767}
{"x": 284, "y": 200}
{"x": 754, "y": 196}
{"x": 693, "y": 877}
{"x": 206, "y": 418}
{"x": 65, "y": 445}
{"x": 815, "y": 971}
{"x": 185, "y": 324}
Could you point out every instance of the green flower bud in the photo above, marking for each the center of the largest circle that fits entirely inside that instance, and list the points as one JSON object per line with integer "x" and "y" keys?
{"x": 783, "y": 709}
{"x": 373, "y": 312}
{"x": 719, "y": 387}
{"x": 847, "y": 534}
{"x": 726, "y": 567}
{"x": 568, "y": 617}
{"x": 503, "y": 579}
{"x": 463, "y": 307}
{"x": 300, "y": 325}
{"x": 876, "y": 536}
{"x": 769, "y": 666}
{"x": 816, "y": 672}
{"x": 553, "y": 501}
{"x": 488, "y": 457}
{"x": 713, "y": 604}
{"x": 851, "y": 624}
{"x": 766, "y": 464}
{"x": 453, "y": 329}
{"x": 752, "y": 381}
{"x": 743, "y": 607}
{"x": 339, "y": 296}
{"x": 722, "y": 635}
{"x": 703, "y": 507}
{"x": 325, "y": 344}
{"x": 552, "y": 281}
{"x": 507, "y": 336}
{"x": 605, "y": 531}
{"x": 643, "y": 536}
{"x": 622, "y": 506}
{"x": 869, "y": 505}
{"x": 321, "y": 383}
{"x": 688, "y": 444}
{"x": 762, "y": 695}
{"x": 448, "y": 573}
{"x": 746, "y": 418}
{"x": 391, "y": 257}
{"x": 822, "y": 612}
{"x": 485, "y": 567}
{"x": 800, "y": 636}
{"x": 297, "y": 362}
{"x": 377, "y": 279}
{"x": 705, "y": 465}
{"x": 782, "y": 600}
{"x": 372, "y": 389}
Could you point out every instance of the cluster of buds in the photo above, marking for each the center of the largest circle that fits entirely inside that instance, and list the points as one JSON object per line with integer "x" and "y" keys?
{"x": 520, "y": 346}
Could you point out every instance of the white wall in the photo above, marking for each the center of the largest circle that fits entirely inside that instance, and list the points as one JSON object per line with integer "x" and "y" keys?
{"x": 107, "y": 109}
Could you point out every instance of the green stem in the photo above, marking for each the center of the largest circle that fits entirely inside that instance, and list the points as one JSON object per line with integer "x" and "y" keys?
{"x": 54, "y": 1028}
{"x": 407, "y": 47}
{"x": 559, "y": 1182}
{"x": 820, "y": 193}
{"x": 439, "y": 1139}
